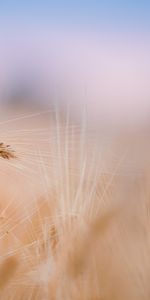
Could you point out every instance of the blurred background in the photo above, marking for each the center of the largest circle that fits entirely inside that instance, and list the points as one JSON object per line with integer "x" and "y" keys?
{"x": 88, "y": 55}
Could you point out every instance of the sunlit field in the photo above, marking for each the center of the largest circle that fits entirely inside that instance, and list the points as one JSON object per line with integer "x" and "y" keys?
{"x": 74, "y": 210}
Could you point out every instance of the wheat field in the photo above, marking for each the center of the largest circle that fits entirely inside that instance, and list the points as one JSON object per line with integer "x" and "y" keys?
{"x": 74, "y": 211}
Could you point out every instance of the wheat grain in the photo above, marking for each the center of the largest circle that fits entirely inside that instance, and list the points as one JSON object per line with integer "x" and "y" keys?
{"x": 6, "y": 152}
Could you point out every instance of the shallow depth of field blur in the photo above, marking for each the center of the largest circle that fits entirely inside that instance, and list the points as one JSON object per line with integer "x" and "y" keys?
{"x": 74, "y": 150}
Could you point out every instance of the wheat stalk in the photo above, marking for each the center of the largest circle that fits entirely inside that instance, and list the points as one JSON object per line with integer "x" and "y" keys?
{"x": 7, "y": 270}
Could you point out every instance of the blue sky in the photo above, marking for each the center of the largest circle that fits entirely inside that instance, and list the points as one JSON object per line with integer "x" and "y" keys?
{"x": 127, "y": 13}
